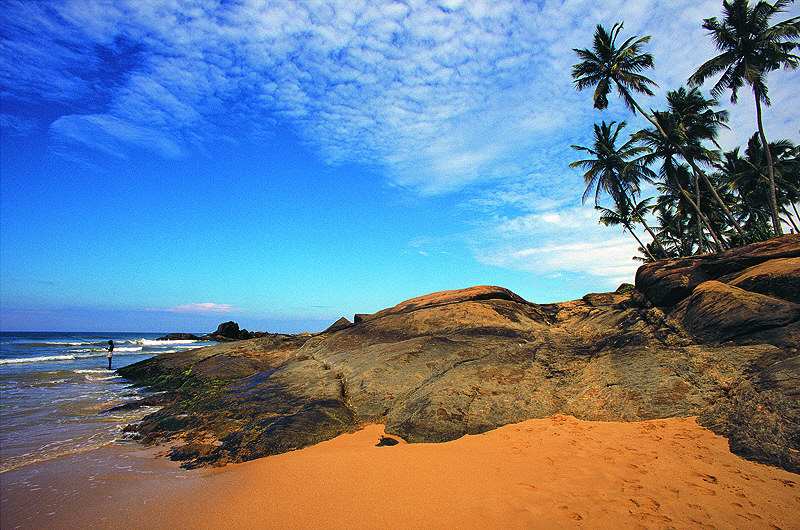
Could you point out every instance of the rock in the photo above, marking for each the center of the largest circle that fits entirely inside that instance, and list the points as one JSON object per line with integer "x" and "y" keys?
{"x": 716, "y": 312}
{"x": 229, "y": 330}
{"x": 778, "y": 278}
{"x": 665, "y": 283}
{"x": 179, "y": 336}
{"x": 338, "y": 325}
{"x": 439, "y": 366}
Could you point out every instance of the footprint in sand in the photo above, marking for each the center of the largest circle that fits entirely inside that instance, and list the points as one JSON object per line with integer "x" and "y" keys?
{"x": 702, "y": 525}
{"x": 674, "y": 491}
{"x": 651, "y": 517}
{"x": 646, "y": 502}
{"x": 701, "y": 489}
{"x": 711, "y": 479}
{"x": 750, "y": 516}
{"x": 636, "y": 468}
{"x": 575, "y": 516}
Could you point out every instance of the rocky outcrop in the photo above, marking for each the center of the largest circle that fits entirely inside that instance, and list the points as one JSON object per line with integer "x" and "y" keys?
{"x": 447, "y": 364}
{"x": 338, "y": 325}
{"x": 179, "y": 336}
{"x": 717, "y": 311}
{"x": 226, "y": 332}
{"x": 665, "y": 283}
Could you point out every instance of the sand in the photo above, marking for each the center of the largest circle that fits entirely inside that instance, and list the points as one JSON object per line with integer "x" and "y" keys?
{"x": 554, "y": 472}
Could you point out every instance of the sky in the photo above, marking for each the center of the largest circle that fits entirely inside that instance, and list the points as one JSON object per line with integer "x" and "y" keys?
{"x": 169, "y": 165}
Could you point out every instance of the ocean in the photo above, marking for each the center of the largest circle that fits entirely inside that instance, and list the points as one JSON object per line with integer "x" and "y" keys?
{"x": 56, "y": 390}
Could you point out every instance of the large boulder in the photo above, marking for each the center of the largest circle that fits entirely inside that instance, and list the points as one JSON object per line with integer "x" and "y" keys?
{"x": 716, "y": 311}
{"x": 439, "y": 366}
{"x": 779, "y": 278}
{"x": 665, "y": 283}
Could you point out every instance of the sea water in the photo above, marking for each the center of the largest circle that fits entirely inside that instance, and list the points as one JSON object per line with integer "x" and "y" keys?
{"x": 56, "y": 392}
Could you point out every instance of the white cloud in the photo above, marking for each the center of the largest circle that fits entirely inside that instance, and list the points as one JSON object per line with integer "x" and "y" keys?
{"x": 203, "y": 307}
{"x": 554, "y": 241}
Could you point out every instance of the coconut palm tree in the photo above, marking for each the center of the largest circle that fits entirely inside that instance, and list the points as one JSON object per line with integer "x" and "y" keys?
{"x": 747, "y": 176}
{"x": 751, "y": 48}
{"x": 607, "y": 66}
{"x": 614, "y": 170}
{"x": 673, "y": 174}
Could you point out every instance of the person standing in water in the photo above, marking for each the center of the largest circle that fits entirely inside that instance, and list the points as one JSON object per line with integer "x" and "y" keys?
{"x": 109, "y": 352}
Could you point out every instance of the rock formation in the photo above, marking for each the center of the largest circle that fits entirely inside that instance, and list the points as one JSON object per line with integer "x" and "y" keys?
{"x": 714, "y": 336}
{"x": 226, "y": 332}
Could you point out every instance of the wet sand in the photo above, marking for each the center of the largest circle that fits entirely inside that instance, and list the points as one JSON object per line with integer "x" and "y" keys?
{"x": 554, "y": 472}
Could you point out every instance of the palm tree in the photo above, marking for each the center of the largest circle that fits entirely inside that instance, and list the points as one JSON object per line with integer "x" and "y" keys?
{"x": 626, "y": 214}
{"x": 607, "y": 66}
{"x": 697, "y": 121}
{"x": 751, "y": 48}
{"x": 615, "y": 171}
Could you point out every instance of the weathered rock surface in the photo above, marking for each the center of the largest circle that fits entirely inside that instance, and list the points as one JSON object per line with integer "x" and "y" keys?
{"x": 667, "y": 282}
{"x": 443, "y": 365}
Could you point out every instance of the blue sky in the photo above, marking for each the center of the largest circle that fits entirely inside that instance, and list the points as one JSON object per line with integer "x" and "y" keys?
{"x": 170, "y": 165}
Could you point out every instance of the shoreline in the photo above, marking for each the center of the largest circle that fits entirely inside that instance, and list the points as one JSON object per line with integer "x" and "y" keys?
{"x": 557, "y": 471}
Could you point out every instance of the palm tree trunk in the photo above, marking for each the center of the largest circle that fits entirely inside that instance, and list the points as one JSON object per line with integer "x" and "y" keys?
{"x": 697, "y": 172}
{"x": 720, "y": 247}
{"x": 791, "y": 221}
{"x": 655, "y": 239}
{"x": 640, "y": 242}
{"x": 776, "y": 222}
{"x": 700, "y": 243}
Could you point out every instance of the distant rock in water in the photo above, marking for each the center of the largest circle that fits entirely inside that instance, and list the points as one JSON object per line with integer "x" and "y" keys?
{"x": 713, "y": 336}
{"x": 179, "y": 336}
{"x": 226, "y": 332}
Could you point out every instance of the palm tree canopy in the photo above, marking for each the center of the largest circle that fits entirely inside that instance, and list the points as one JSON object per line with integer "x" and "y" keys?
{"x": 606, "y": 66}
{"x": 689, "y": 120}
{"x": 624, "y": 214}
{"x": 614, "y": 170}
{"x": 750, "y": 47}
{"x": 695, "y": 115}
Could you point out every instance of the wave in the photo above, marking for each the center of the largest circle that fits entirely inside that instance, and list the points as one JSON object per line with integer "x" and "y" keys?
{"x": 43, "y": 359}
{"x": 151, "y": 342}
{"x": 57, "y": 358}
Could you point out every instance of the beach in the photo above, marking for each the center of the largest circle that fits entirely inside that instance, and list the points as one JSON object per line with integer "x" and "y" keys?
{"x": 552, "y": 472}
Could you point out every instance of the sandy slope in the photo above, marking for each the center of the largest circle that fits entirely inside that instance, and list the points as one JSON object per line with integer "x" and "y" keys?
{"x": 557, "y": 471}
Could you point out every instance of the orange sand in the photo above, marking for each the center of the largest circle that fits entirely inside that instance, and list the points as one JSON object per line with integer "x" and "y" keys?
{"x": 554, "y": 472}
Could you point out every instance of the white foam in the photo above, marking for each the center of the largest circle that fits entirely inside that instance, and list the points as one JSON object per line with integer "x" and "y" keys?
{"x": 44, "y": 359}
{"x": 149, "y": 342}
